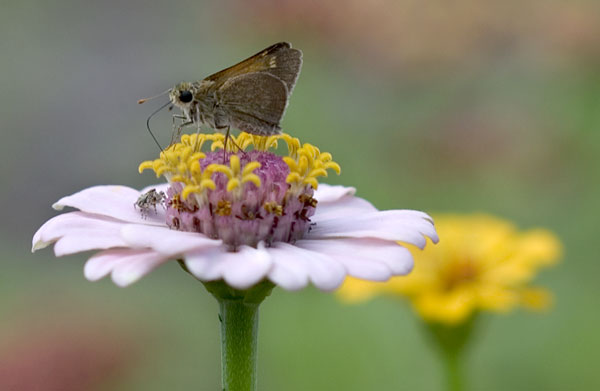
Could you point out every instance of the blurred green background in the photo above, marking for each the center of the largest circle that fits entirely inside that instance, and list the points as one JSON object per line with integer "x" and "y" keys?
{"x": 441, "y": 106}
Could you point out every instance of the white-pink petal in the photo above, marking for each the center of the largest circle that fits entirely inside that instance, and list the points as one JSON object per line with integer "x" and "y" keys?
{"x": 366, "y": 258}
{"x": 401, "y": 262}
{"x": 325, "y": 272}
{"x": 247, "y": 267}
{"x": 326, "y": 193}
{"x": 397, "y": 225}
{"x": 138, "y": 266}
{"x": 102, "y": 264}
{"x": 113, "y": 201}
{"x": 240, "y": 269}
{"x": 345, "y": 206}
{"x": 77, "y": 231}
{"x": 165, "y": 240}
{"x": 289, "y": 270}
{"x": 125, "y": 265}
{"x": 202, "y": 264}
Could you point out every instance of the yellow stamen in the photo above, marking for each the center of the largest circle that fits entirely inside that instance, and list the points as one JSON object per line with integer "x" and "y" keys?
{"x": 181, "y": 163}
{"x": 308, "y": 165}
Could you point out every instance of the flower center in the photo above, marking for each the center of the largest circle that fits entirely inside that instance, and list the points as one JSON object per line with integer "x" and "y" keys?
{"x": 458, "y": 273}
{"x": 241, "y": 197}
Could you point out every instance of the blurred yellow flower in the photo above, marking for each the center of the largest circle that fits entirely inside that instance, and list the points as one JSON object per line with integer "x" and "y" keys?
{"x": 481, "y": 263}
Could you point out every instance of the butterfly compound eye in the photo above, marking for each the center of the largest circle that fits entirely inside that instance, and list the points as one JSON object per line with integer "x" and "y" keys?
{"x": 185, "y": 96}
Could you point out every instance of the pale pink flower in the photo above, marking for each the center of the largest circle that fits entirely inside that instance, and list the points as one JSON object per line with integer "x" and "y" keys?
{"x": 251, "y": 219}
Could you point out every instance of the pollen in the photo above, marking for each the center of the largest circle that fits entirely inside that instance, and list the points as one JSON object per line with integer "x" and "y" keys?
{"x": 274, "y": 208}
{"x": 245, "y": 194}
{"x": 223, "y": 208}
{"x": 307, "y": 200}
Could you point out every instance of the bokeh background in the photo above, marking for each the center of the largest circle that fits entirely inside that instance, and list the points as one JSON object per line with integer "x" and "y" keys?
{"x": 458, "y": 106}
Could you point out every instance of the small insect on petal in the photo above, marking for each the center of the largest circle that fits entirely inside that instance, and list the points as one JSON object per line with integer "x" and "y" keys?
{"x": 149, "y": 200}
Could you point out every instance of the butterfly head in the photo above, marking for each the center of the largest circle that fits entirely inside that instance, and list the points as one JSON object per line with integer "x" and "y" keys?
{"x": 182, "y": 95}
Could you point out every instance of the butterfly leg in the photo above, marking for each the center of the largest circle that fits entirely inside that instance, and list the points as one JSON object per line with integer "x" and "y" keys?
{"x": 225, "y": 141}
{"x": 175, "y": 134}
{"x": 199, "y": 120}
{"x": 183, "y": 119}
{"x": 229, "y": 138}
{"x": 175, "y": 126}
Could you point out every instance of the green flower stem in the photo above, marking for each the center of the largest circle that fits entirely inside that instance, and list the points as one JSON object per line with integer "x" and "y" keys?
{"x": 239, "y": 332}
{"x": 451, "y": 341}
{"x": 239, "y": 344}
{"x": 454, "y": 373}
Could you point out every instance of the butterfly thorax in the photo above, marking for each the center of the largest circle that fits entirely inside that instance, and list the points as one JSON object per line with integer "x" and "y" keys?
{"x": 205, "y": 103}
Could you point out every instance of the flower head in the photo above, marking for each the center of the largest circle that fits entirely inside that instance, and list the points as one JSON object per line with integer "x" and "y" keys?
{"x": 242, "y": 198}
{"x": 240, "y": 215}
{"x": 482, "y": 264}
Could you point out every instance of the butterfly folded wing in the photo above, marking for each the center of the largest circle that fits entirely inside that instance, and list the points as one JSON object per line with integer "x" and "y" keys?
{"x": 285, "y": 64}
{"x": 279, "y": 60}
{"x": 254, "y": 102}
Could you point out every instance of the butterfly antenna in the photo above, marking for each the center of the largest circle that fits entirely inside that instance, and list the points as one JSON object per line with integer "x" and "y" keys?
{"x": 148, "y": 123}
{"x": 143, "y": 100}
